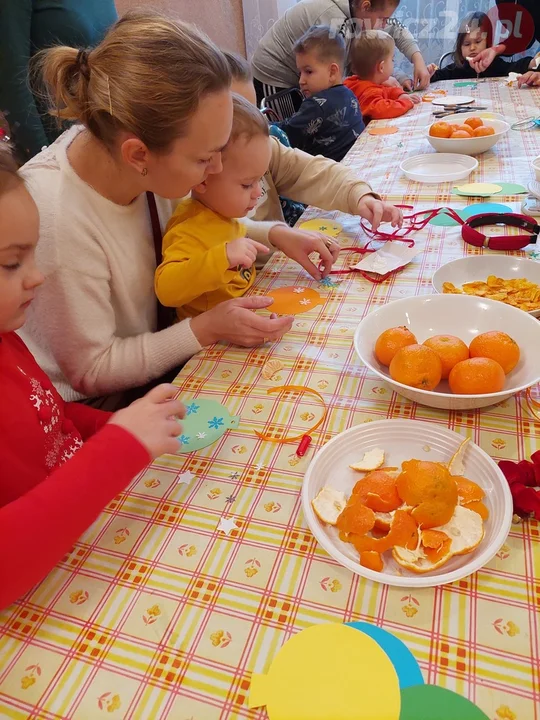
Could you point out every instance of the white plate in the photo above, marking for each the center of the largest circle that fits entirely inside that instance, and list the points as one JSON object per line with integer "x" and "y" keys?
{"x": 479, "y": 267}
{"x": 534, "y": 188}
{"x": 406, "y": 440}
{"x": 468, "y": 146}
{"x": 449, "y": 100}
{"x": 436, "y": 168}
{"x": 466, "y": 317}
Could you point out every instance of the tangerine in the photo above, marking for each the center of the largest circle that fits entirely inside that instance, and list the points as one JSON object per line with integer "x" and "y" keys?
{"x": 465, "y": 128}
{"x": 378, "y": 492}
{"x": 476, "y": 376}
{"x": 450, "y": 349}
{"x": 498, "y": 346}
{"x": 417, "y": 366}
{"x": 460, "y": 135}
{"x": 484, "y": 131}
{"x": 356, "y": 518}
{"x": 440, "y": 129}
{"x": 390, "y": 341}
{"x": 430, "y": 489}
{"x": 372, "y": 560}
{"x": 474, "y": 122}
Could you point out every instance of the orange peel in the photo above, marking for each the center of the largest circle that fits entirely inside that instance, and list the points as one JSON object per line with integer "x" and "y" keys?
{"x": 372, "y": 560}
{"x": 378, "y": 491}
{"x": 403, "y": 532}
{"x": 468, "y": 491}
{"x": 356, "y": 518}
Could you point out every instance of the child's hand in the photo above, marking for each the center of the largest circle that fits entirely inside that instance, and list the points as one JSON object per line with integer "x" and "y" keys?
{"x": 376, "y": 211}
{"x": 243, "y": 252}
{"x": 432, "y": 69}
{"x": 531, "y": 78}
{"x": 152, "y": 420}
{"x": 415, "y": 99}
{"x": 299, "y": 244}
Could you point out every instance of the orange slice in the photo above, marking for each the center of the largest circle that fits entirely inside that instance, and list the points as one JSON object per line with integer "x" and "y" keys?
{"x": 378, "y": 492}
{"x": 371, "y": 560}
{"x": 328, "y": 505}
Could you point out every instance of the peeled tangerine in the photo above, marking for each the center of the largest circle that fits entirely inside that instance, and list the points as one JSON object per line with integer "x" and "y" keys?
{"x": 460, "y": 536}
{"x": 430, "y": 489}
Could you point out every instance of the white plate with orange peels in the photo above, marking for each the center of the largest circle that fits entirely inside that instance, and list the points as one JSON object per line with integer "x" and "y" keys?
{"x": 405, "y": 440}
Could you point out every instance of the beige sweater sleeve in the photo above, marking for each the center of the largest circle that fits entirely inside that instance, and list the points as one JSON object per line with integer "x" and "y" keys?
{"x": 316, "y": 180}
{"x": 260, "y": 230}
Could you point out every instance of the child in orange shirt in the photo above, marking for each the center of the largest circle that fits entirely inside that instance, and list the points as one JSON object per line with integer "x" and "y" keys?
{"x": 372, "y": 61}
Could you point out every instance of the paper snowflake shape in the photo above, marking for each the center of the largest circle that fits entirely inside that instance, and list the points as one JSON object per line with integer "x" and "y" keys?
{"x": 192, "y": 409}
{"x": 329, "y": 283}
{"x": 299, "y": 291}
{"x": 184, "y": 439}
{"x": 201, "y": 436}
{"x": 305, "y": 301}
{"x": 216, "y": 423}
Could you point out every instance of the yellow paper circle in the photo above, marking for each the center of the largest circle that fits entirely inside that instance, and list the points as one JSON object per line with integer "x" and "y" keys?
{"x": 326, "y": 227}
{"x": 329, "y": 672}
{"x": 480, "y": 188}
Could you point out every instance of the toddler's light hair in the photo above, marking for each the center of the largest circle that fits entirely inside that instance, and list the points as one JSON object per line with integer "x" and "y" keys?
{"x": 368, "y": 50}
{"x": 248, "y": 121}
{"x": 328, "y": 45}
{"x": 9, "y": 176}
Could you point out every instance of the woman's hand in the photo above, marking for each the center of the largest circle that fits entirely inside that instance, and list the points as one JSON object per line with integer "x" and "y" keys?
{"x": 234, "y": 322}
{"x": 421, "y": 73}
{"x": 299, "y": 244}
{"x": 531, "y": 78}
{"x": 432, "y": 69}
{"x": 376, "y": 211}
{"x": 483, "y": 60}
{"x": 394, "y": 82}
{"x": 152, "y": 420}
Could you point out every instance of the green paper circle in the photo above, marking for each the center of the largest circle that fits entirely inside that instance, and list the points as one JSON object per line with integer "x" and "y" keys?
{"x": 429, "y": 702}
{"x": 511, "y": 188}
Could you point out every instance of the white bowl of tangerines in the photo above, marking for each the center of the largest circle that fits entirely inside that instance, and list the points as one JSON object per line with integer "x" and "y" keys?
{"x": 453, "y": 352}
{"x": 467, "y": 133}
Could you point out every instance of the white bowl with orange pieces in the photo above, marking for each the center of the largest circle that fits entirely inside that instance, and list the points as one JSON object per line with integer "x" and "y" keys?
{"x": 461, "y": 316}
{"x": 476, "y": 144}
{"x": 512, "y": 280}
{"x": 479, "y": 518}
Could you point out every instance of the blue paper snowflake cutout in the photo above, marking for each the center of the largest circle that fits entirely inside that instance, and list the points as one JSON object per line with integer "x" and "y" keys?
{"x": 329, "y": 283}
{"x": 184, "y": 439}
{"x": 192, "y": 409}
{"x": 216, "y": 423}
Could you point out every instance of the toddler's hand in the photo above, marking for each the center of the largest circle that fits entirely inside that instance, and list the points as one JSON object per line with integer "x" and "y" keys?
{"x": 152, "y": 420}
{"x": 243, "y": 252}
{"x": 432, "y": 69}
{"x": 376, "y": 211}
{"x": 415, "y": 99}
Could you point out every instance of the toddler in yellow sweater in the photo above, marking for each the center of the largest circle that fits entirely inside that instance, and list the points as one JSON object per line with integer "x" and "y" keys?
{"x": 207, "y": 257}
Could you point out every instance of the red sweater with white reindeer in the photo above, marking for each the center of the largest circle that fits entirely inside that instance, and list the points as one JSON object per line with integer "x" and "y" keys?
{"x": 60, "y": 464}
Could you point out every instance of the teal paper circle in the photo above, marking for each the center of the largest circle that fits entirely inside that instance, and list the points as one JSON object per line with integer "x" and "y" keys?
{"x": 404, "y": 662}
{"x": 205, "y": 422}
{"x": 444, "y": 220}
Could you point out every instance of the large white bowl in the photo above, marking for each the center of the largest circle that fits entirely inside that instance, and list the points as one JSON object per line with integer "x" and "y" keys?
{"x": 405, "y": 440}
{"x": 466, "y": 317}
{"x": 472, "y": 146}
{"x": 479, "y": 267}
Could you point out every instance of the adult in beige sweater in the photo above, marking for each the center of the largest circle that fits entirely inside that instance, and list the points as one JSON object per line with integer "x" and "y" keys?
{"x": 155, "y": 110}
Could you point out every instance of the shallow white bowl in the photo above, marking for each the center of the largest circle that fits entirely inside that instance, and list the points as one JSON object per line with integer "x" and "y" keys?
{"x": 434, "y": 169}
{"x": 466, "y": 317}
{"x": 473, "y": 146}
{"x": 405, "y": 440}
{"x": 479, "y": 267}
{"x": 536, "y": 167}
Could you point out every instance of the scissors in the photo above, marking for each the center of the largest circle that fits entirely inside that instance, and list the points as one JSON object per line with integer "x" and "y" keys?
{"x": 527, "y": 124}
{"x": 457, "y": 109}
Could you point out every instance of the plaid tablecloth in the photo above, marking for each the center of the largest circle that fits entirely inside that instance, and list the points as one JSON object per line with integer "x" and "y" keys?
{"x": 157, "y": 613}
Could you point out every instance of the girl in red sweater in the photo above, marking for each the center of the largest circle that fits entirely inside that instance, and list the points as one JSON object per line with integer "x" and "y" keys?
{"x": 60, "y": 463}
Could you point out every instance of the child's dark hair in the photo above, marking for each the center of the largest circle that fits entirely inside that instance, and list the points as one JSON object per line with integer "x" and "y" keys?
{"x": 473, "y": 22}
{"x": 9, "y": 176}
{"x": 368, "y": 50}
{"x": 239, "y": 67}
{"x": 327, "y": 44}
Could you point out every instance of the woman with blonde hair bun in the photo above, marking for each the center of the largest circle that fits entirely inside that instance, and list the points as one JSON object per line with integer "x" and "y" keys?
{"x": 153, "y": 109}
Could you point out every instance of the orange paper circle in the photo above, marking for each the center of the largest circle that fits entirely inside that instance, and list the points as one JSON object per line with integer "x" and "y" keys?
{"x": 390, "y": 130}
{"x": 294, "y": 300}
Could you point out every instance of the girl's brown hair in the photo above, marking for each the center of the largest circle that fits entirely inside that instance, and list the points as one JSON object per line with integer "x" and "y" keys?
{"x": 473, "y": 22}
{"x": 9, "y": 176}
{"x": 147, "y": 77}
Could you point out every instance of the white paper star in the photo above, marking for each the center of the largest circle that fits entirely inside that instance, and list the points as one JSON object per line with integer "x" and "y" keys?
{"x": 299, "y": 291}
{"x": 227, "y": 525}
{"x": 201, "y": 436}
{"x": 185, "y": 478}
{"x": 305, "y": 301}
